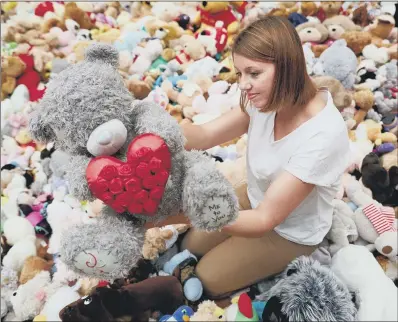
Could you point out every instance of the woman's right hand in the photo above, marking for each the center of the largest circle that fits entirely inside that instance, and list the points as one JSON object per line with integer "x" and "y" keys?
{"x": 224, "y": 128}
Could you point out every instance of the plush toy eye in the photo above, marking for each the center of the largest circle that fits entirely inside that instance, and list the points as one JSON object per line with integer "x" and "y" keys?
{"x": 14, "y": 294}
{"x": 184, "y": 311}
{"x": 291, "y": 271}
{"x": 87, "y": 301}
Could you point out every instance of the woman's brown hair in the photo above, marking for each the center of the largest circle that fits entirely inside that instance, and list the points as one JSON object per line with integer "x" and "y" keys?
{"x": 273, "y": 39}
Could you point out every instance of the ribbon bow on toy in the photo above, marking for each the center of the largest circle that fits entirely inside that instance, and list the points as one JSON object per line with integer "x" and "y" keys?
{"x": 382, "y": 219}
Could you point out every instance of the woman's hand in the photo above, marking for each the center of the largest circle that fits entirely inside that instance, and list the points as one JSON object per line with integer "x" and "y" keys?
{"x": 284, "y": 195}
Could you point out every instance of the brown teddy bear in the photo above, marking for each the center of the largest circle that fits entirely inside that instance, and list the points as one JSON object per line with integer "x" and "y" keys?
{"x": 360, "y": 16}
{"x": 72, "y": 11}
{"x": 11, "y": 68}
{"x": 164, "y": 31}
{"x": 313, "y": 32}
{"x": 113, "y": 9}
{"x": 338, "y": 25}
{"x": 329, "y": 9}
{"x": 140, "y": 89}
{"x": 364, "y": 100}
{"x": 341, "y": 97}
{"x": 380, "y": 29}
{"x": 175, "y": 111}
{"x": 50, "y": 23}
{"x": 284, "y": 9}
{"x": 308, "y": 8}
{"x": 32, "y": 266}
{"x": 158, "y": 240}
{"x": 357, "y": 40}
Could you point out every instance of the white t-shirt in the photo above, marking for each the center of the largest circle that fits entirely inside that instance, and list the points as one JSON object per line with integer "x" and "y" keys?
{"x": 316, "y": 152}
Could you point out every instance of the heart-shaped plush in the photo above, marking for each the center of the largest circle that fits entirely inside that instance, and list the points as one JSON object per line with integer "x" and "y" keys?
{"x": 137, "y": 185}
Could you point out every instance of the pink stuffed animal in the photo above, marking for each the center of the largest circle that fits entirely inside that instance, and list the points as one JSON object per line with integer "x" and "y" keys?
{"x": 17, "y": 121}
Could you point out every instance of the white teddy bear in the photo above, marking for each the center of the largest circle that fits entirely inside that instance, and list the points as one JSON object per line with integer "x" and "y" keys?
{"x": 29, "y": 298}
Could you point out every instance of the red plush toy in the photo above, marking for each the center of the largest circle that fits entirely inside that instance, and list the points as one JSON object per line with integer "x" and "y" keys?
{"x": 44, "y": 7}
{"x": 30, "y": 78}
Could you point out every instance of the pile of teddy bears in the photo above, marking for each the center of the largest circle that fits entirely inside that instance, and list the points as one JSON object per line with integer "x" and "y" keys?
{"x": 66, "y": 257}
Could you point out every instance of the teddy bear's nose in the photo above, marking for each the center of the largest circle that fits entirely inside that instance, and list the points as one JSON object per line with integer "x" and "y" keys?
{"x": 308, "y": 31}
{"x": 105, "y": 137}
{"x": 333, "y": 29}
{"x": 204, "y": 3}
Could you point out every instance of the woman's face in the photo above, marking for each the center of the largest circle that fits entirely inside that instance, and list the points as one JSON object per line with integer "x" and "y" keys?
{"x": 255, "y": 78}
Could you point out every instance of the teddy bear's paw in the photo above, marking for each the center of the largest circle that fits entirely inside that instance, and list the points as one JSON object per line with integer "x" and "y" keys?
{"x": 216, "y": 212}
{"x": 107, "y": 249}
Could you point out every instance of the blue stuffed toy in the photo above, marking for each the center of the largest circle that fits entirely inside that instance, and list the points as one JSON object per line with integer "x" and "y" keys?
{"x": 184, "y": 261}
{"x": 182, "y": 314}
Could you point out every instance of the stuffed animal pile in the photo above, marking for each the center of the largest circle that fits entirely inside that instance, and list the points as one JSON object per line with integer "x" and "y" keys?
{"x": 92, "y": 95}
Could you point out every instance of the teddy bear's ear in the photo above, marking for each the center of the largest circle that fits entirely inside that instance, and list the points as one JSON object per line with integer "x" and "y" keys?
{"x": 102, "y": 53}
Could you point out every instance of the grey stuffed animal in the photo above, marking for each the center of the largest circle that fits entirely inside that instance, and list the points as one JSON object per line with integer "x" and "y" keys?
{"x": 131, "y": 155}
{"x": 338, "y": 61}
{"x": 308, "y": 291}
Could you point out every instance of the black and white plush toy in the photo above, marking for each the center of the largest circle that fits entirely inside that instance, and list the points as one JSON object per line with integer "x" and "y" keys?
{"x": 128, "y": 153}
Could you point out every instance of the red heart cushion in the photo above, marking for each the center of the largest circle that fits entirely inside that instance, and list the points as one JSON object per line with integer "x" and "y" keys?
{"x": 137, "y": 185}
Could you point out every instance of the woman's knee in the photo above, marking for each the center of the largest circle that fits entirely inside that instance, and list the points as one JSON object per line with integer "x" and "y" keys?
{"x": 211, "y": 278}
{"x": 200, "y": 242}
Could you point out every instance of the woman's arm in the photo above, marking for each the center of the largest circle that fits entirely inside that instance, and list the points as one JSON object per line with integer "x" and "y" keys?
{"x": 220, "y": 130}
{"x": 283, "y": 196}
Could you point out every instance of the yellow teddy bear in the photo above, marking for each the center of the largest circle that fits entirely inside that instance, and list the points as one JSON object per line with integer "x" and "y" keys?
{"x": 375, "y": 134}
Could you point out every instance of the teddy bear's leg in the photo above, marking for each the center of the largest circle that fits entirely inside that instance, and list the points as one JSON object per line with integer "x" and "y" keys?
{"x": 106, "y": 249}
{"x": 76, "y": 177}
{"x": 209, "y": 200}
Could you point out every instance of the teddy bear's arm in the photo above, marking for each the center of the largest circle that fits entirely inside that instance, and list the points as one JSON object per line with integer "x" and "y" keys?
{"x": 209, "y": 200}
{"x": 39, "y": 128}
{"x": 76, "y": 177}
{"x": 151, "y": 118}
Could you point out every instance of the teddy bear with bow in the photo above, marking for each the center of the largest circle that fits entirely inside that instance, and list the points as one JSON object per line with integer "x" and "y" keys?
{"x": 129, "y": 154}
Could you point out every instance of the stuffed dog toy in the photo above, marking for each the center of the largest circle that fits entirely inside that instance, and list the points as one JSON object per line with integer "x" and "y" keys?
{"x": 308, "y": 291}
{"x": 161, "y": 293}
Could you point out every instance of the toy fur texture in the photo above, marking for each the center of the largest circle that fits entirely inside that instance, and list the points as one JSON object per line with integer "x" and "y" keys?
{"x": 163, "y": 293}
{"x": 308, "y": 291}
{"x": 90, "y": 93}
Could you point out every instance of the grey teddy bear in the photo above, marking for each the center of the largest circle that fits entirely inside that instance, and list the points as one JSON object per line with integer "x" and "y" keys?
{"x": 308, "y": 291}
{"x": 131, "y": 155}
{"x": 338, "y": 61}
